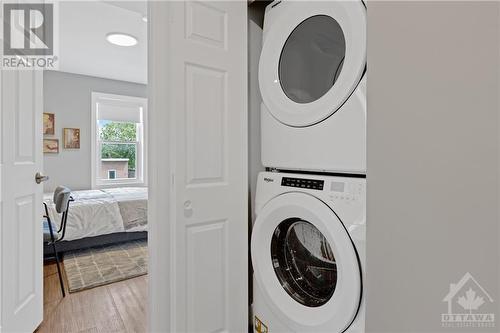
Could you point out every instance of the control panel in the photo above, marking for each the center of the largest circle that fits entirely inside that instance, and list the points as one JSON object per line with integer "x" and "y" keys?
{"x": 312, "y": 184}
{"x": 346, "y": 191}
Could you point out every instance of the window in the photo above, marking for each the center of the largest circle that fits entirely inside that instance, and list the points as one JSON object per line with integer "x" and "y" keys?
{"x": 111, "y": 174}
{"x": 118, "y": 134}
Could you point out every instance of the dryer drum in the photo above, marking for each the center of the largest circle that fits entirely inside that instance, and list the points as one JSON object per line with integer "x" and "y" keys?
{"x": 312, "y": 59}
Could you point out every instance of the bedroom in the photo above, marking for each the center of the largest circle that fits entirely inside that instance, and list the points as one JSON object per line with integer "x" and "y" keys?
{"x": 95, "y": 145}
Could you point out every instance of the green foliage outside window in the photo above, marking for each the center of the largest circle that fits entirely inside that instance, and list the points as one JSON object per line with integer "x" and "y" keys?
{"x": 119, "y": 132}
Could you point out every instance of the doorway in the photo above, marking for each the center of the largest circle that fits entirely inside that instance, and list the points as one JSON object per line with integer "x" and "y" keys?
{"x": 196, "y": 173}
{"x": 96, "y": 114}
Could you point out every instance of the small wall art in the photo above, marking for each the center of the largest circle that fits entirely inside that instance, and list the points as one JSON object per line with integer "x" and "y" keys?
{"x": 51, "y": 146}
{"x": 49, "y": 123}
{"x": 71, "y": 138}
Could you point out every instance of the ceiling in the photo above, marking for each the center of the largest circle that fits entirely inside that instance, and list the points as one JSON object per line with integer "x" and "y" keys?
{"x": 83, "y": 48}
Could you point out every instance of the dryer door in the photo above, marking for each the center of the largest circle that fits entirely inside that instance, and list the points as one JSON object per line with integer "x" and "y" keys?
{"x": 313, "y": 58}
{"x": 306, "y": 264}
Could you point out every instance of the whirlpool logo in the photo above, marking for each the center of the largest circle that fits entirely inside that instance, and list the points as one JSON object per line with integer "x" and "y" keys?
{"x": 268, "y": 180}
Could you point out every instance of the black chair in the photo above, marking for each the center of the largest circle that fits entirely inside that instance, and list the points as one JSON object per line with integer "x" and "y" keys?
{"x": 51, "y": 234}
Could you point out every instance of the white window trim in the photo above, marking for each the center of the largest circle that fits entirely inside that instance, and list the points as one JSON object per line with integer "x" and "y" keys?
{"x": 141, "y": 168}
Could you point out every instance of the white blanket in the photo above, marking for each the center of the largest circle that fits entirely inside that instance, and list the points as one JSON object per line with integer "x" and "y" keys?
{"x": 133, "y": 204}
{"x": 127, "y": 193}
{"x": 97, "y": 212}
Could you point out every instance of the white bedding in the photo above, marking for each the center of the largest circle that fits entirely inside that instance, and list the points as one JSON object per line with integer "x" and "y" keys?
{"x": 99, "y": 212}
{"x": 127, "y": 193}
{"x": 133, "y": 205}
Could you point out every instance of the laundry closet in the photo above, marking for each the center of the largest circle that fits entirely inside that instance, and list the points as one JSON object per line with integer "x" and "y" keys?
{"x": 307, "y": 121}
{"x": 432, "y": 147}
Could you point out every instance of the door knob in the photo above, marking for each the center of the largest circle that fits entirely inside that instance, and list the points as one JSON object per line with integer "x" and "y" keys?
{"x": 40, "y": 178}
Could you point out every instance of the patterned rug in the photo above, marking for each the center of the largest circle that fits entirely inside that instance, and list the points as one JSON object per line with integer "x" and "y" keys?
{"x": 97, "y": 266}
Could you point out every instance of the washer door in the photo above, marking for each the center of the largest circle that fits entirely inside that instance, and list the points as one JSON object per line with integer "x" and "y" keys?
{"x": 305, "y": 264}
{"x": 313, "y": 58}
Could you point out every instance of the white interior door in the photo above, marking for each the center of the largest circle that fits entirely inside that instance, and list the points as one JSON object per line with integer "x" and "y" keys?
{"x": 21, "y": 201}
{"x": 198, "y": 166}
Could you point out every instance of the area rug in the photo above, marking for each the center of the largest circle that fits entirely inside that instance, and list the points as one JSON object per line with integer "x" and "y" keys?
{"x": 97, "y": 266}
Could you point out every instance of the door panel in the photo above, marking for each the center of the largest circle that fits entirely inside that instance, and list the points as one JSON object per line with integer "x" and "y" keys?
{"x": 25, "y": 215}
{"x": 207, "y": 265}
{"x": 206, "y": 120}
{"x": 25, "y": 118}
{"x": 21, "y": 200}
{"x": 206, "y": 23}
{"x": 199, "y": 164}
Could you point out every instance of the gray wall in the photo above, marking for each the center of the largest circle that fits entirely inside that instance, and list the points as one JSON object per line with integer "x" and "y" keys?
{"x": 432, "y": 159}
{"x": 255, "y": 22}
{"x": 69, "y": 97}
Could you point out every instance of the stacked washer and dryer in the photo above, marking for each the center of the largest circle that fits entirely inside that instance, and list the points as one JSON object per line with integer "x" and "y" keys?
{"x": 308, "y": 239}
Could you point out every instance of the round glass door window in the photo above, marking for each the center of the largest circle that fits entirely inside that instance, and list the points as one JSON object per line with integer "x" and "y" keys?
{"x": 304, "y": 262}
{"x": 312, "y": 59}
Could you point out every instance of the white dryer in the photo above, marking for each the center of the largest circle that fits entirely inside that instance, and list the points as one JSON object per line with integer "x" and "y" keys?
{"x": 313, "y": 85}
{"x": 308, "y": 253}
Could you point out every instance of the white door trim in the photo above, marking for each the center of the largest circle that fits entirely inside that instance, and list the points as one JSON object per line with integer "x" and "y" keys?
{"x": 159, "y": 203}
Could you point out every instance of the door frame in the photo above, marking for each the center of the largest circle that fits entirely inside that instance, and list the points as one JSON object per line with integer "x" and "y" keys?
{"x": 160, "y": 252}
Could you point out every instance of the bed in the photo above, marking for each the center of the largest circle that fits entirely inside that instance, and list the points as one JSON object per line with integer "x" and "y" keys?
{"x": 100, "y": 217}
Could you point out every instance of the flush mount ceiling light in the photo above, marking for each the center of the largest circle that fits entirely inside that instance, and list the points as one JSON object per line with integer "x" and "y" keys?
{"x": 121, "y": 39}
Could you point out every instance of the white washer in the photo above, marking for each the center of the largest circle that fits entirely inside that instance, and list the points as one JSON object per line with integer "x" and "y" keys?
{"x": 313, "y": 85}
{"x": 308, "y": 253}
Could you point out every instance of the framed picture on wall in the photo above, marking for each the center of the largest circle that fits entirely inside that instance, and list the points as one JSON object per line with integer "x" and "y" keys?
{"x": 49, "y": 123}
{"x": 71, "y": 138}
{"x": 51, "y": 146}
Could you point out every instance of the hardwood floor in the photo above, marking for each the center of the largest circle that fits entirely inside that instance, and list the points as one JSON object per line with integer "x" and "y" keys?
{"x": 116, "y": 307}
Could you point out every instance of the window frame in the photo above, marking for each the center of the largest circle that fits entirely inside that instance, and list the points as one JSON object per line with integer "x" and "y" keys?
{"x": 141, "y": 150}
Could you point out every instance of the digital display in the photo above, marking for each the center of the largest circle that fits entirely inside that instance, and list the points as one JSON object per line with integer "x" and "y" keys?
{"x": 312, "y": 184}
{"x": 337, "y": 186}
